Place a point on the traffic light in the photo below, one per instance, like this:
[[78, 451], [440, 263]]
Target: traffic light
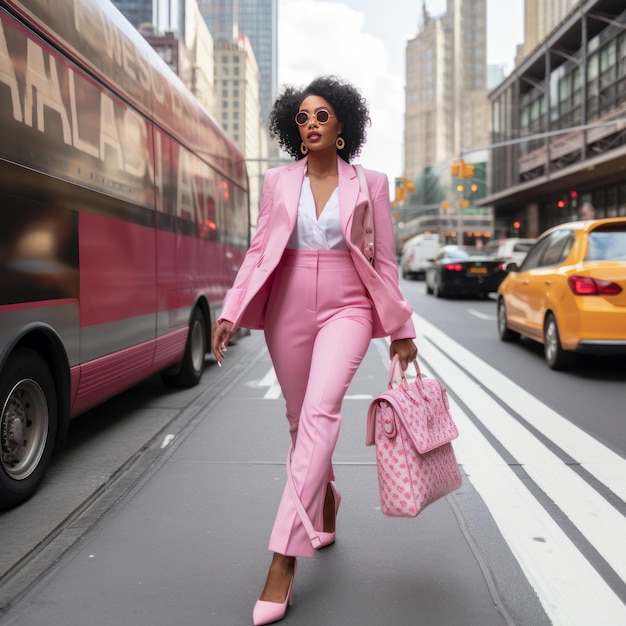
[[463, 203], [455, 168], [467, 170], [517, 224], [400, 190], [403, 187]]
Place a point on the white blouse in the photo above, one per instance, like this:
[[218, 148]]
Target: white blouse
[[311, 233]]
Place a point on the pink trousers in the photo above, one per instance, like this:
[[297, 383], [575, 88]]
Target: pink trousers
[[318, 326]]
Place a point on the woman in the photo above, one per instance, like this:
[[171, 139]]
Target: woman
[[307, 283]]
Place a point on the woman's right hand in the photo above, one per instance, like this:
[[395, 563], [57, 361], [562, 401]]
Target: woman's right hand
[[221, 337]]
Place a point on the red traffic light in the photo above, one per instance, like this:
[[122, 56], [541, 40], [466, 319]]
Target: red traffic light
[[516, 225], [574, 194], [560, 204]]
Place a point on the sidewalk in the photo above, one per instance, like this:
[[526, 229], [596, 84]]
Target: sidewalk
[[190, 546]]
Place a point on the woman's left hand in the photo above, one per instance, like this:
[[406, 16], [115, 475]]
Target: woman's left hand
[[405, 349]]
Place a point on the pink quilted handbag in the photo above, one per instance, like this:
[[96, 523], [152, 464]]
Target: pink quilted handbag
[[412, 428]]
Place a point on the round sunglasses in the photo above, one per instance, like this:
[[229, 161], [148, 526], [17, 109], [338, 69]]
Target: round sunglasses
[[321, 115]]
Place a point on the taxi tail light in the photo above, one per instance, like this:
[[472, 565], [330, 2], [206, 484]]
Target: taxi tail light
[[585, 286], [453, 267]]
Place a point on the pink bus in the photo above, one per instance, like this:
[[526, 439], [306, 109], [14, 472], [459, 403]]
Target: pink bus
[[124, 220]]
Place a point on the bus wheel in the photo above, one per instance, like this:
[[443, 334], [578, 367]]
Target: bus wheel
[[28, 425], [192, 365]]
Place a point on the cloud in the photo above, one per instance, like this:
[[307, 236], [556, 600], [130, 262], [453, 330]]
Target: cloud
[[317, 38]]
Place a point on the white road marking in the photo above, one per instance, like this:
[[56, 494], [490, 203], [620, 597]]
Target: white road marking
[[571, 590], [269, 380], [482, 316], [166, 441], [274, 392]]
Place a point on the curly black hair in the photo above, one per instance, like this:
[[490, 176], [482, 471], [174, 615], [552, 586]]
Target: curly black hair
[[349, 105]]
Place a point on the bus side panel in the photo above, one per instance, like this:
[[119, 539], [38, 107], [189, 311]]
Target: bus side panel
[[117, 272]]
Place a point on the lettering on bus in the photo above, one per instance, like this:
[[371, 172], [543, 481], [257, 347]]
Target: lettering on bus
[[59, 121]]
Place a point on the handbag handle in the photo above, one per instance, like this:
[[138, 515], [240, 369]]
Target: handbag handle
[[395, 367]]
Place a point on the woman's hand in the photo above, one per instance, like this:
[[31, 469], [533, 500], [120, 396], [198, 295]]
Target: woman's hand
[[405, 349], [221, 336]]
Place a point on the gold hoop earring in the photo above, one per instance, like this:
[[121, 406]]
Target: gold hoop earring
[[340, 143], [303, 148]]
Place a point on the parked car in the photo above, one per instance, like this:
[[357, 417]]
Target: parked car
[[416, 254], [513, 250], [570, 292], [463, 270]]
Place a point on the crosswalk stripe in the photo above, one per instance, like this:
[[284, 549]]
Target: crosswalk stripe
[[570, 588]]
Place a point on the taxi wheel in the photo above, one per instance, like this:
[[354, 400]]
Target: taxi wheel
[[505, 333], [556, 357]]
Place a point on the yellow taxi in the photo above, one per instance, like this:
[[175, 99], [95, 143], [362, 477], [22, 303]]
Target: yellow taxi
[[570, 292]]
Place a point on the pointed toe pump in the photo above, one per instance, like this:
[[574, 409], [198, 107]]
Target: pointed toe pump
[[328, 538], [270, 612]]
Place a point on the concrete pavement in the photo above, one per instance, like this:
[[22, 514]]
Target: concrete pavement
[[188, 546]]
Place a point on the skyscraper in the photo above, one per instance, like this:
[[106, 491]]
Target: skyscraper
[[258, 20], [447, 110], [137, 12]]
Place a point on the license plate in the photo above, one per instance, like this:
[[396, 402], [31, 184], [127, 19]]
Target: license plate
[[478, 270]]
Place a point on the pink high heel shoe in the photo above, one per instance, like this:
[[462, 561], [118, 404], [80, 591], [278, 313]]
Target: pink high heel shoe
[[326, 539], [269, 612]]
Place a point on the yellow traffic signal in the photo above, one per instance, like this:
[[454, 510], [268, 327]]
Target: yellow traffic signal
[[455, 168], [459, 188], [408, 185], [463, 203], [467, 170], [445, 204]]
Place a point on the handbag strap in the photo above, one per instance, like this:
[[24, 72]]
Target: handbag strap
[[368, 216], [306, 520], [394, 368]]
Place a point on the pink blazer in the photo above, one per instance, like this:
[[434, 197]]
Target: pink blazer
[[244, 304]]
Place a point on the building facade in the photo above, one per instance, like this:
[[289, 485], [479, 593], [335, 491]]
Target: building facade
[[541, 17], [176, 30], [446, 105], [560, 123], [258, 21], [237, 107], [137, 12]]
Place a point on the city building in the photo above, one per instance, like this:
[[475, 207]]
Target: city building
[[446, 105], [137, 12], [237, 107], [176, 30], [560, 123], [541, 17], [447, 119], [258, 21]]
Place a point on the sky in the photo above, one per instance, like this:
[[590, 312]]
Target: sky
[[364, 42]]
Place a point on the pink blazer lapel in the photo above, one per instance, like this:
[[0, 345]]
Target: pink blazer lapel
[[291, 182], [351, 204]]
